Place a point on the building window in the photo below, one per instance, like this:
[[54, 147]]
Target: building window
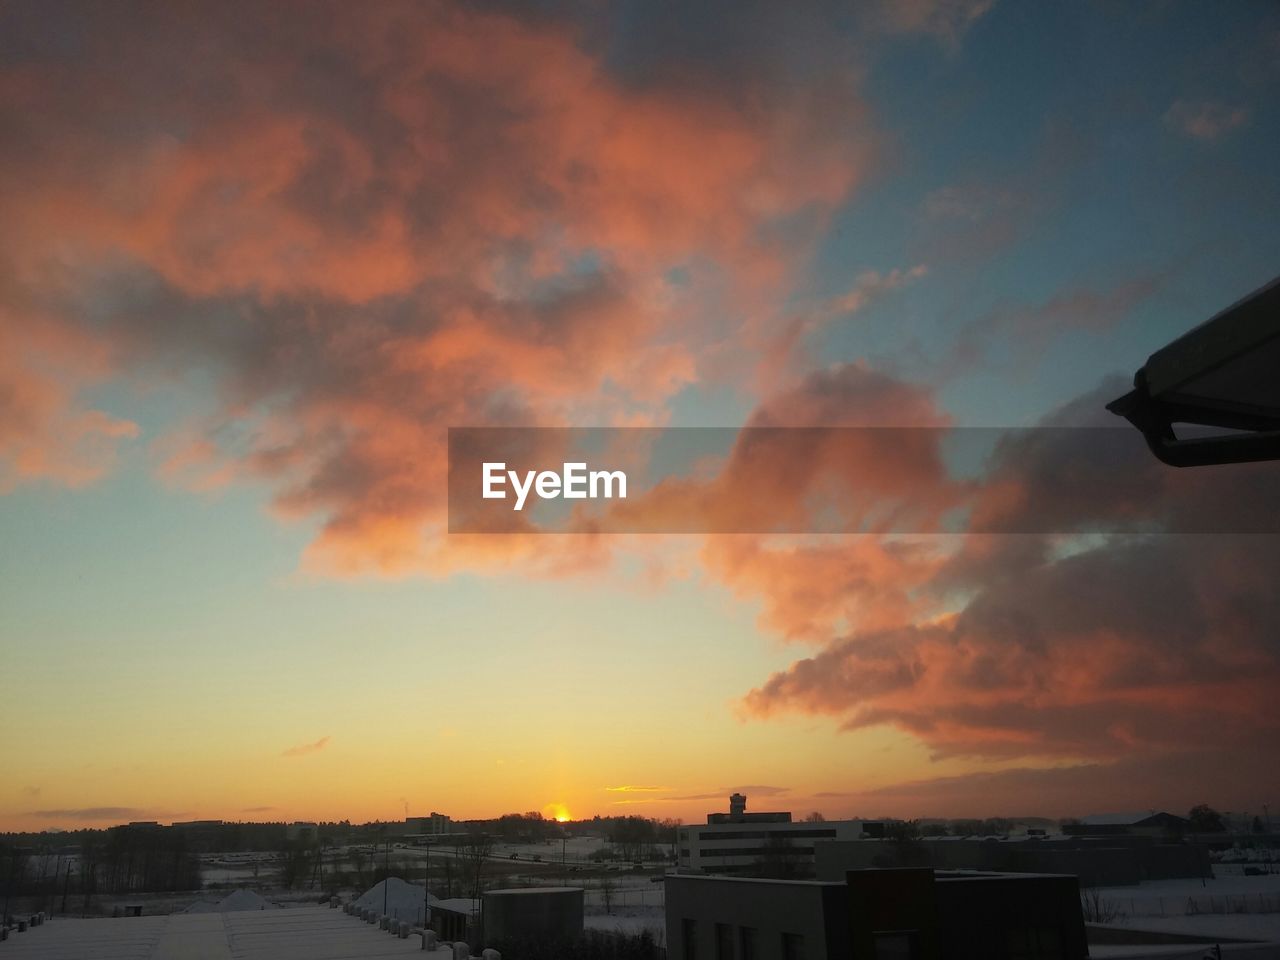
[[895, 944], [747, 943], [689, 938], [724, 941], [792, 946]]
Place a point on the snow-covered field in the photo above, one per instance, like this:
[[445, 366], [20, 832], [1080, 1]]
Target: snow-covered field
[[1234, 926], [1235, 894], [629, 922]]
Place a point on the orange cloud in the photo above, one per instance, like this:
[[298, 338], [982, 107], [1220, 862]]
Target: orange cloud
[[451, 216], [1042, 645], [45, 433], [303, 749]]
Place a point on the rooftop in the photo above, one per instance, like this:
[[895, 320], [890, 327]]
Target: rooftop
[[305, 932]]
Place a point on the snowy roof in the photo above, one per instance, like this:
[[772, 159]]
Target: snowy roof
[[302, 933], [401, 899], [235, 902], [457, 905]]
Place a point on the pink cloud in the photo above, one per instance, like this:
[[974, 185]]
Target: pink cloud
[[478, 229], [304, 749], [1205, 119]]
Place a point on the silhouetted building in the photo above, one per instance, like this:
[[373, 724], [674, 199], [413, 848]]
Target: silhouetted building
[[303, 831], [456, 918], [876, 915], [1151, 824], [437, 824], [551, 912], [1097, 861]]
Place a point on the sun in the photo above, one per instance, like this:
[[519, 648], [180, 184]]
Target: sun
[[558, 812]]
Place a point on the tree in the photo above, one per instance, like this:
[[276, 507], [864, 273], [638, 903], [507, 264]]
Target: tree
[[475, 850], [607, 887], [357, 858], [14, 864], [815, 817], [631, 835], [902, 830], [780, 861], [295, 862], [1204, 819]]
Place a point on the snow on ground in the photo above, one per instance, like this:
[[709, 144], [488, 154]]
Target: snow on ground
[[235, 902], [1239, 926], [629, 922], [1215, 895]]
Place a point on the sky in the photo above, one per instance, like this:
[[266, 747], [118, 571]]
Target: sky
[[255, 260]]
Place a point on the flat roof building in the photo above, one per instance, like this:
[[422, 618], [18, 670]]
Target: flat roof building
[[768, 844], [876, 915]]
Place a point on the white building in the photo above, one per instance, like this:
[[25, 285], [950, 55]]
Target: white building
[[765, 843]]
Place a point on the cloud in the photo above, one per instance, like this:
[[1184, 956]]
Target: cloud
[[1137, 782], [1019, 335], [303, 749], [948, 20], [98, 813], [628, 788], [45, 434], [751, 789], [263, 809], [1205, 119], [787, 350], [366, 227], [1052, 646]]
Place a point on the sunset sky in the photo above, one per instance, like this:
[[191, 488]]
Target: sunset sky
[[256, 259]]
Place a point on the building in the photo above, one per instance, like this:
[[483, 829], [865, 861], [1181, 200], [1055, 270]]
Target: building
[[876, 915], [200, 835], [302, 831], [518, 913], [1097, 861], [553, 913], [767, 843], [1150, 823], [456, 918], [435, 825]]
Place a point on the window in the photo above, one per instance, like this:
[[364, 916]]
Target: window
[[724, 941], [689, 938], [792, 946], [747, 943]]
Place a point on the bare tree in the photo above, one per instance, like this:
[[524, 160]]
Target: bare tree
[[1096, 909], [475, 849]]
